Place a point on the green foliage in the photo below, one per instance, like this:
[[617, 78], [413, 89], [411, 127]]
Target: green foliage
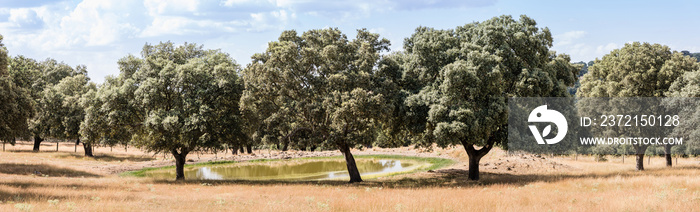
[[63, 102], [315, 89], [54, 109], [635, 70], [466, 74], [455, 83], [638, 70], [688, 85], [180, 99], [695, 55], [584, 69], [15, 102], [26, 73], [112, 117], [58, 114]]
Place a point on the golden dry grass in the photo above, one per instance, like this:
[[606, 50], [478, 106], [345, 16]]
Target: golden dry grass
[[580, 185]]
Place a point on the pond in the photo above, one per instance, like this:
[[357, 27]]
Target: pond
[[309, 169]]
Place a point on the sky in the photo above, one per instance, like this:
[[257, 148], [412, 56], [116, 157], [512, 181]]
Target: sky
[[98, 33]]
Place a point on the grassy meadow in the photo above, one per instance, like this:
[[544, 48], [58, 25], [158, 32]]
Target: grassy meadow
[[66, 181]]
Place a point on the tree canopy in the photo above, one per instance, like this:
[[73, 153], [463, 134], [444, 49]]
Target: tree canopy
[[15, 102], [636, 70], [462, 78], [317, 89], [112, 115], [180, 99], [687, 85], [48, 92]]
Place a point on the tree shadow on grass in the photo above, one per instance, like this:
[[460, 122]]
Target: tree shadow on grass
[[457, 178], [110, 158], [42, 170], [31, 151], [30, 196], [24, 196], [71, 186]]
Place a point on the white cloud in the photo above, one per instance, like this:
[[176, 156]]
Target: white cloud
[[98, 32], [568, 37], [234, 2], [574, 43], [269, 20], [163, 25], [570, 43], [89, 23], [607, 48], [97, 23], [88, 32], [25, 18], [158, 7], [422, 4]]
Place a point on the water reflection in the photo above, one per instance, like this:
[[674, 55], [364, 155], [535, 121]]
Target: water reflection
[[206, 173], [290, 170]]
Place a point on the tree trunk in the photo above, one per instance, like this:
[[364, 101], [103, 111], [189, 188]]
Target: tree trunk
[[234, 150], [249, 149], [285, 146], [669, 160], [639, 151], [56, 145], [475, 156], [474, 168], [75, 148], [37, 143], [350, 162], [242, 149], [180, 159], [88, 149]]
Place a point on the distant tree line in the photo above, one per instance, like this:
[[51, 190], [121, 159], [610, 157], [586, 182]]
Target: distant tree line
[[695, 55]]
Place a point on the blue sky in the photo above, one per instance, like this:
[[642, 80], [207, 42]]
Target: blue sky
[[98, 33]]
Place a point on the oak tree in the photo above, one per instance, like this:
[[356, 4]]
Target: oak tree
[[317, 89], [683, 94], [64, 111], [37, 78], [15, 103], [636, 70], [188, 99], [462, 78]]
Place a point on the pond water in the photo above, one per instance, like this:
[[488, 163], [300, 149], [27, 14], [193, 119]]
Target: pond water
[[291, 170]]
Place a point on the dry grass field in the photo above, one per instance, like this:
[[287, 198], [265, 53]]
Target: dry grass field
[[66, 181]]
